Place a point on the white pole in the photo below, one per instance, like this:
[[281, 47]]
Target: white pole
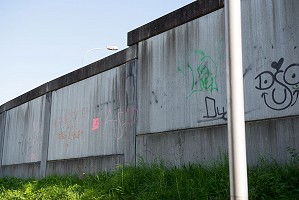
[[235, 101]]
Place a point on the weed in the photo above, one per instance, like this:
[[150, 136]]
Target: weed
[[267, 180]]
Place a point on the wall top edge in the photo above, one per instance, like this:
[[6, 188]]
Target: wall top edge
[[176, 18], [92, 69]]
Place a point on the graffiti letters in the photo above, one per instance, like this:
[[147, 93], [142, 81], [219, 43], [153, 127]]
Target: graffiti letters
[[213, 111], [70, 135], [281, 87], [121, 119], [203, 78]]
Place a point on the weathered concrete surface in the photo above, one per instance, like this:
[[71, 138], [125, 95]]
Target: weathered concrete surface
[[82, 166], [97, 67], [26, 170], [24, 133], [184, 146], [269, 138], [87, 117], [177, 72], [272, 138], [176, 18], [182, 76], [270, 58], [168, 102], [131, 116]]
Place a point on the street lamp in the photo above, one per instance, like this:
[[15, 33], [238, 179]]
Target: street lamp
[[110, 48], [235, 102]]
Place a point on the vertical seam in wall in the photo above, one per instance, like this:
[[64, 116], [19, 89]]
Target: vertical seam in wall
[[45, 142], [3, 122], [136, 105]]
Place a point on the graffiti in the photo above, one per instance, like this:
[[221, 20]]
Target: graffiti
[[95, 124], [213, 111], [66, 121], [121, 119], [203, 78], [281, 88], [68, 124], [70, 135], [111, 120]]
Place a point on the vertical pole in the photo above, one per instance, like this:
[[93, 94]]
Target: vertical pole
[[235, 101]]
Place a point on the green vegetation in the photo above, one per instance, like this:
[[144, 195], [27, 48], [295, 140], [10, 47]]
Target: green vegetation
[[267, 180]]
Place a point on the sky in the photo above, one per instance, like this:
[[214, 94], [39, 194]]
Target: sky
[[43, 40]]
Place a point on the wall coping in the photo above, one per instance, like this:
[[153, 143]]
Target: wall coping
[[176, 18], [80, 74]]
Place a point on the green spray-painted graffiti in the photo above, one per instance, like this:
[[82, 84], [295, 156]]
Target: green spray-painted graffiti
[[203, 78]]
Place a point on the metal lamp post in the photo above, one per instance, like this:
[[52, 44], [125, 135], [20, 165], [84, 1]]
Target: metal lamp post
[[110, 48], [235, 101]]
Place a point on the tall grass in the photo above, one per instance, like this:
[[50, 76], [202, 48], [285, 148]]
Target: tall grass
[[267, 180]]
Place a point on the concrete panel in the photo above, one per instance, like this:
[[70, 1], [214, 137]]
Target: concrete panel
[[88, 117], [270, 138], [24, 133], [82, 166], [182, 76], [183, 147], [28, 170], [270, 58]]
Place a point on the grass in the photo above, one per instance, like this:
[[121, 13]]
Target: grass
[[267, 180]]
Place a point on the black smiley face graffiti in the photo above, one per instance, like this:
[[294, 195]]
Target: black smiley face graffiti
[[291, 77], [282, 85], [291, 74], [266, 80]]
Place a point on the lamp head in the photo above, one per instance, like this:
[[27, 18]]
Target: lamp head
[[112, 48]]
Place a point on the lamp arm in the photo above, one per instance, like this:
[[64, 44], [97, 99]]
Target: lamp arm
[[89, 52]]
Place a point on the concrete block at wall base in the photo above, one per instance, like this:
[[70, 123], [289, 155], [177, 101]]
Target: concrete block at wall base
[[272, 139], [24, 170], [82, 166], [182, 147], [266, 138]]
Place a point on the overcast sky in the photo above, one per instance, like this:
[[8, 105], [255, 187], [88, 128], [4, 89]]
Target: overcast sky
[[42, 40]]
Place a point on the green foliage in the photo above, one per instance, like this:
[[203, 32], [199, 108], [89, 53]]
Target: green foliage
[[267, 180]]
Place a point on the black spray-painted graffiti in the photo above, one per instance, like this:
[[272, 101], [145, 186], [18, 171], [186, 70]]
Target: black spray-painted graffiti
[[205, 79], [213, 111], [281, 88]]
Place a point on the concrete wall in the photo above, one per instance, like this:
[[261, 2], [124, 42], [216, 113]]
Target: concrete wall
[[182, 75], [87, 117], [182, 86], [77, 128], [162, 98], [24, 133], [93, 119]]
